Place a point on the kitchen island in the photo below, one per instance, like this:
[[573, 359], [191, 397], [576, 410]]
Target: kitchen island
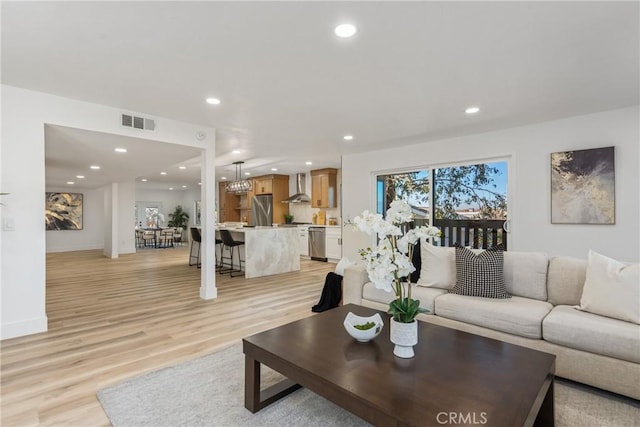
[[266, 250]]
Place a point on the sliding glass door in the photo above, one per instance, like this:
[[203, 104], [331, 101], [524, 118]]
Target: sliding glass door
[[467, 202]]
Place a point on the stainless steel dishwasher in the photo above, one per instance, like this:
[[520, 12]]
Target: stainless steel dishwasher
[[317, 242]]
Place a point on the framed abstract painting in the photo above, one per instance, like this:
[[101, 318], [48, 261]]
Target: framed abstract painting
[[63, 211], [583, 186]]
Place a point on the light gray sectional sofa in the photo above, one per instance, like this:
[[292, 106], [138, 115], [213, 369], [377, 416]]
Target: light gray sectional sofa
[[599, 351]]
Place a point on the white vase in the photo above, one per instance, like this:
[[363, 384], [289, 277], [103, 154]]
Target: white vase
[[404, 336]]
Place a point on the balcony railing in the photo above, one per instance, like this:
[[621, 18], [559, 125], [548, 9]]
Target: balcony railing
[[478, 234]]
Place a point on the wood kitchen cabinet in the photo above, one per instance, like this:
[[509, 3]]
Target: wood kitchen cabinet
[[263, 186], [228, 203], [323, 188]]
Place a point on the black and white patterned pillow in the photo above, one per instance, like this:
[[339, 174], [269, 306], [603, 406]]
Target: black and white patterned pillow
[[480, 275]]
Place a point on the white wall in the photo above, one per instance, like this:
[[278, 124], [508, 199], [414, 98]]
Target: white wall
[[91, 236], [24, 115], [169, 200], [189, 198], [529, 148]]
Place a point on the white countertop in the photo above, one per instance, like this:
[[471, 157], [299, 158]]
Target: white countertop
[[248, 228], [319, 225]]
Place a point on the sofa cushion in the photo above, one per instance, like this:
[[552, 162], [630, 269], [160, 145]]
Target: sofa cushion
[[525, 274], [438, 266], [425, 295], [480, 275], [517, 316], [565, 280], [611, 288], [569, 327]]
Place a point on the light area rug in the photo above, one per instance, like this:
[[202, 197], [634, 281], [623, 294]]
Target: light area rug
[[209, 391]]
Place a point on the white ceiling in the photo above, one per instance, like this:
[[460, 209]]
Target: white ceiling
[[290, 89], [70, 152]]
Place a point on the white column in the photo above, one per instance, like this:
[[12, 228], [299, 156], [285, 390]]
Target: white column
[[208, 288], [111, 221]]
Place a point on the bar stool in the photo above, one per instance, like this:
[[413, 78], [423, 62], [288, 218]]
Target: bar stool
[[230, 243], [218, 260], [196, 237]]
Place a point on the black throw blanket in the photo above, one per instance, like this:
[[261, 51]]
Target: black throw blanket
[[331, 293]]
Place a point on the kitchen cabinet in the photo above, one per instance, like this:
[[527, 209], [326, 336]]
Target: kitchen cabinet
[[263, 186], [245, 207], [228, 204], [333, 245], [323, 188]]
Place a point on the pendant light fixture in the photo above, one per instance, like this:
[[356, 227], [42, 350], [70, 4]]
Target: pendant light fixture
[[239, 185]]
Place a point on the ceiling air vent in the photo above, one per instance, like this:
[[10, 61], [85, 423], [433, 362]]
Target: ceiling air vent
[[136, 122]]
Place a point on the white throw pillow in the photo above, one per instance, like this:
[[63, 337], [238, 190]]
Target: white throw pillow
[[438, 269], [611, 288], [344, 263]]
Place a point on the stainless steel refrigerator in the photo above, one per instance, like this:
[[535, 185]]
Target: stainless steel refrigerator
[[262, 210]]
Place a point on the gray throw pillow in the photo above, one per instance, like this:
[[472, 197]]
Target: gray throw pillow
[[480, 275]]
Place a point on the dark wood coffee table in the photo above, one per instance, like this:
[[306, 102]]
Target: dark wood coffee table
[[456, 378]]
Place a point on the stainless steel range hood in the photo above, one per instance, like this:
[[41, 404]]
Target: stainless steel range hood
[[300, 196]]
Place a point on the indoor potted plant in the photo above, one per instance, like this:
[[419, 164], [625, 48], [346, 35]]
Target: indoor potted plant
[[288, 219], [179, 219], [389, 266]]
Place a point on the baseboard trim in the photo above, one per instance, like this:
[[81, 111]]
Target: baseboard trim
[[74, 249], [24, 327]]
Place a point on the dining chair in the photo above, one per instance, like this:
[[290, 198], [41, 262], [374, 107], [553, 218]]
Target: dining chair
[[177, 235], [149, 238], [166, 237], [139, 239]]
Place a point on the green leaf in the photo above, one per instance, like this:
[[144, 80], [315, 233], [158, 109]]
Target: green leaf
[[405, 310]]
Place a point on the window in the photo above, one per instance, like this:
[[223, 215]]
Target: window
[[468, 202]]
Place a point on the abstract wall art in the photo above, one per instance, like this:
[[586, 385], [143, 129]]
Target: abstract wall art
[[63, 211], [583, 186]]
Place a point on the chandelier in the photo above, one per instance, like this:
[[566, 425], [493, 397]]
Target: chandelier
[[239, 185]]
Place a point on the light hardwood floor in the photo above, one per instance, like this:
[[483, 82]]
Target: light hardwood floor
[[110, 320]]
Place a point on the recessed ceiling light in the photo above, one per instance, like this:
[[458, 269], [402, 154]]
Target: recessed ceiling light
[[213, 101], [348, 137], [70, 182], [199, 183], [120, 150], [170, 188], [144, 180], [184, 186], [274, 169], [80, 176], [247, 173], [308, 163], [236, 151], [182, 167], [472, 110], [163, 173], [345, 30], [94, 167], [223, 177]]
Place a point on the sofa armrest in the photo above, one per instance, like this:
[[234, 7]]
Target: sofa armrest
[[355, 276]]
